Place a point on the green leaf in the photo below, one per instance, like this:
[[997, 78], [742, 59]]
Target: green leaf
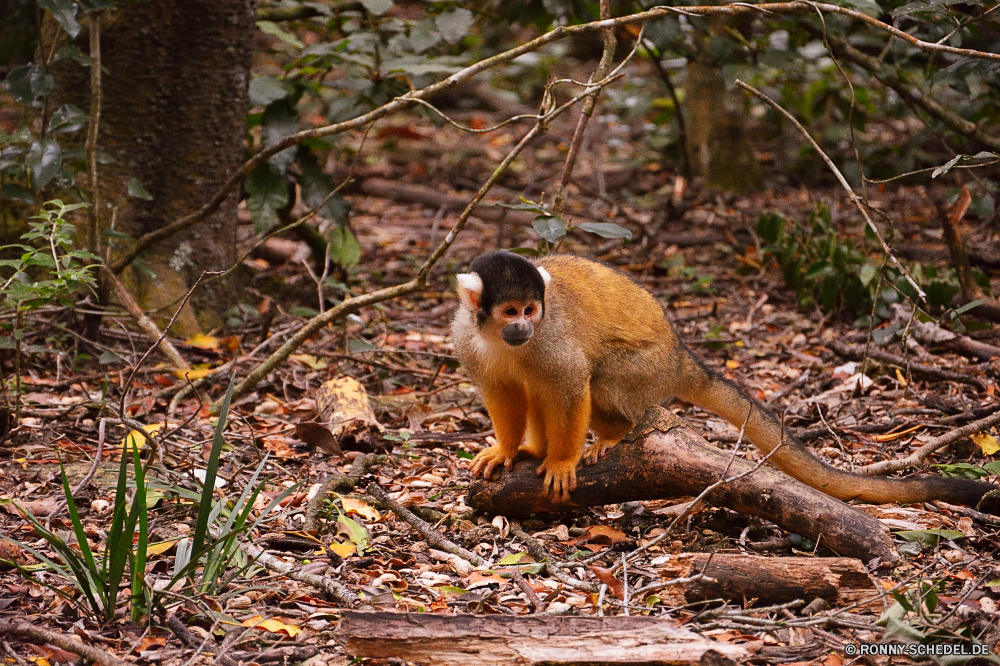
[[64, 12], [136, 189], [268, 194], [29, 83], [377, 7], [68, 118], [549, 227], [606, 230], [454, 24], [929, 537], [273, 29], [771, 227], [423, 35], [44, 160], [344, 247], [211, 470], [355, 531], [267, 89]]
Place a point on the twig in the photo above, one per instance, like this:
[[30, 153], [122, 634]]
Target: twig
[[432, 536], [188, 637], [918, 456], [537, 604], [554, 568], [93, 225], [603, 67], [39, 635], [158, 337]]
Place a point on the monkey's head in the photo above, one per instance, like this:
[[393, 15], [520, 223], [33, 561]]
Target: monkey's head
[[506, 292]]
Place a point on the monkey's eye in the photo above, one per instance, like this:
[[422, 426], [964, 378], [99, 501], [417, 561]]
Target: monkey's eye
[[528, 310], [510, 312]]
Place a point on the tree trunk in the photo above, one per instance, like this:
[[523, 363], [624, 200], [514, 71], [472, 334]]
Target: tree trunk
[[715, 118], [173, 119]]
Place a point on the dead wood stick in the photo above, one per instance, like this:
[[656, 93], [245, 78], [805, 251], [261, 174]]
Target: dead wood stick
[[409, 193], [668, 459], [186, 636], [337, 591], [857, 353], [918, 456], [433, 537], [98, 656], [769, 580], [503, 640], [960, 260], [144, 322]]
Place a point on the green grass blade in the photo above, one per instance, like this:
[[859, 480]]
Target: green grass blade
[[211, 471]]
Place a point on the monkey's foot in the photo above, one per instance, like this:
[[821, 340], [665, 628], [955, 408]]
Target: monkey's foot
[[484, 463], [560, 478], [596, 451]]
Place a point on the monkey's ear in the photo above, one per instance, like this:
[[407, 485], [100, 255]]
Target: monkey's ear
[[470, 290], [546, 278]]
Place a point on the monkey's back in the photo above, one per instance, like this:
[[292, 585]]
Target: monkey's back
[[603, 305]]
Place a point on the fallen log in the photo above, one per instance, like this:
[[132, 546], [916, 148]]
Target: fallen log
[[535, 639], [738, 578], [662, 458]]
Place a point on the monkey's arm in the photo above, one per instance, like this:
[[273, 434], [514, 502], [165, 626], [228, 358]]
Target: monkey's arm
[[566, 421], [507, 407]]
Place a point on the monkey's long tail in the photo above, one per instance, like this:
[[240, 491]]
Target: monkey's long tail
[[763, 428]]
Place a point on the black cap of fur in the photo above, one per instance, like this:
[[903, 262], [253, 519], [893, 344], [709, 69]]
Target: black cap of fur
[[507, 277]]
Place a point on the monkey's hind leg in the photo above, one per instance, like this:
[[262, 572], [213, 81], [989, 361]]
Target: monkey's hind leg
[[507, 407], [609, 428]]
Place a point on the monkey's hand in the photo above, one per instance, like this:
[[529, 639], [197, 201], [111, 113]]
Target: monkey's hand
[[487, 460], [560, 478], [596, 451]]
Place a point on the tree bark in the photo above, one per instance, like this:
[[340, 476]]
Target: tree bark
[[173, 119], [768, 580], [662, 457]]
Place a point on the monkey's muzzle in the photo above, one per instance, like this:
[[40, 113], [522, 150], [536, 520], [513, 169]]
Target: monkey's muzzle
[[517, 333]]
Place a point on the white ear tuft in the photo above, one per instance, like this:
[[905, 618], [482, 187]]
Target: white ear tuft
[[470, 290], [546, 278]]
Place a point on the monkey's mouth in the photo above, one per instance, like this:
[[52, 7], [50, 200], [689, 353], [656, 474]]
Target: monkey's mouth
[[516, 341]]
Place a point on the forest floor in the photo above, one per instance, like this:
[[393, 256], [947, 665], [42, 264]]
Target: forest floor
[[695, 249]]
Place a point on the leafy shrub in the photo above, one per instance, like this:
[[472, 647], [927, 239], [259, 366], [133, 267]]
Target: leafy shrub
[[830, 271]]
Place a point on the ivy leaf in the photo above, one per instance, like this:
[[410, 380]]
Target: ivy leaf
[[43, 160], [606, 230], [549, 227], [64, 12], [377, 7], [454, 24]]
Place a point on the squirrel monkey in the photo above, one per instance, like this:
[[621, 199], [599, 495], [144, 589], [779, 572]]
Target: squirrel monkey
[[567, 345]]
